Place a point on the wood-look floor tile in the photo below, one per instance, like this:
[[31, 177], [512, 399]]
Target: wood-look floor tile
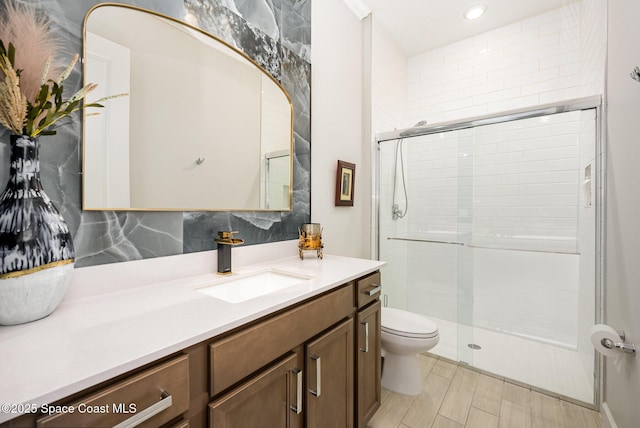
[[514, 415], [424, 408], [453, 391], [385, 394], [545, 411], [575, 416], [481, 419], [457, 401], [444, 369], [426, 364], [516, 394], [442, 422], [488, 394], [391, 411]]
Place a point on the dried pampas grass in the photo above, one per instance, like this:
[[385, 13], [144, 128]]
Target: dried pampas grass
[[35, 46], [31, 100]]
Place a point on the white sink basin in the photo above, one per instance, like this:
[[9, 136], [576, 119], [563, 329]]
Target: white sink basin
[[237, 289]]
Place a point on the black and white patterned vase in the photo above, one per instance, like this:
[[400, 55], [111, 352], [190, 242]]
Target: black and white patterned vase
[[36, 251]]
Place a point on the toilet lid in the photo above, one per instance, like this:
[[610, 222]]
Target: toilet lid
[[407, 324]]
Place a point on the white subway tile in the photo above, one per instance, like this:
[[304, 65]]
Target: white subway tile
[[515, 103], [516, 70], [543, 41], [520, 37], [560, 95], [550, 189], [497, 64], [501, 95], [528, 79], [464, 55], [461, 103], [573, 69]]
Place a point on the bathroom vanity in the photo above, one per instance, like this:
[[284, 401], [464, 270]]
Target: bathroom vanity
[[173, 355]]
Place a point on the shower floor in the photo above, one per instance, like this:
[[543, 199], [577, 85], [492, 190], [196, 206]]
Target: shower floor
[[551, 368]]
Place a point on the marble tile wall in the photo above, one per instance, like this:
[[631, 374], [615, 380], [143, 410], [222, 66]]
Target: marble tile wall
[[277, 35]]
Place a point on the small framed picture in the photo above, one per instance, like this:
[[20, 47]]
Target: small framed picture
[[344, 184]]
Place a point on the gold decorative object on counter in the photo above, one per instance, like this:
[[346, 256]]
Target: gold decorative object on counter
[[310, 239]]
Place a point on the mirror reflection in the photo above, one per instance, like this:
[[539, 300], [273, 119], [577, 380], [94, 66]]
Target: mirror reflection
[[204, 127]]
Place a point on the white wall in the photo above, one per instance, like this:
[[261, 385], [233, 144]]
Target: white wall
[[622, 270], [389, 82], [543, 59], [338, 113]]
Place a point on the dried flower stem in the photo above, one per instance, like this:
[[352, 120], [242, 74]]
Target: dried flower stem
[[68, 70], [45, 72], [13, 104]]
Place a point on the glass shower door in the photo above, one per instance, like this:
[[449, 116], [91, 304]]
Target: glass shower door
[[533, 244], [491, 232], [424, 199]]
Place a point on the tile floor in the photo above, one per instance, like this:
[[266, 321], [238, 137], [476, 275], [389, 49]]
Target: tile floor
[[457, 397], [545, 366]]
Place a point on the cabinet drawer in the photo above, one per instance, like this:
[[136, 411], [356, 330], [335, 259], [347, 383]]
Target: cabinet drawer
[[235, 357], [368, 289], [159, 393]]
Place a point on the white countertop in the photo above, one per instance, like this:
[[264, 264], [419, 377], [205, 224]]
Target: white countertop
[[90, 339]]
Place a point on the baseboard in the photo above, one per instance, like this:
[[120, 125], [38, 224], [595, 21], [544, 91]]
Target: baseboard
[[607, 417]]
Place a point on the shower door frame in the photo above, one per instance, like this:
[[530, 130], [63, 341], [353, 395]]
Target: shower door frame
[[586, 103]]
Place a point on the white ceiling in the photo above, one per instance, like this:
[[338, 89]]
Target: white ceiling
[[421, 25]]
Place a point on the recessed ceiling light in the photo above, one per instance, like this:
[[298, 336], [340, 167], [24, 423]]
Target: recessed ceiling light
[[474, 12]]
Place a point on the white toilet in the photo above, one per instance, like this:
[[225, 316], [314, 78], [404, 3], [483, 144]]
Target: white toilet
[[404, 335]]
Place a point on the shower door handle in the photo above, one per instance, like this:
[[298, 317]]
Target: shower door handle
[[375, 290]]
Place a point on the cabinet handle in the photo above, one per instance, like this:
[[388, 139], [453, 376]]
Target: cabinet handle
[[375, 290], [165, 402], [366, 336], [298, 407], [318, 389]]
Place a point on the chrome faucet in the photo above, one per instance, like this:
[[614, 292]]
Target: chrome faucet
[[225, 241]]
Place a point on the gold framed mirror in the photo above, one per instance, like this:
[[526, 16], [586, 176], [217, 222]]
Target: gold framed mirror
[[204, 127]]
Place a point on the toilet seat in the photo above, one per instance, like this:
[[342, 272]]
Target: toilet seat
[[407, 324]]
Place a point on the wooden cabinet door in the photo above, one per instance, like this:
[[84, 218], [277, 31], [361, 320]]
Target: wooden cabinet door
[[368, 363], [329, 368], [269, 400]]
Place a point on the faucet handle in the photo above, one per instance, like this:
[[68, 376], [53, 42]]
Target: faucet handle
[[224, 237], [226, 234]]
